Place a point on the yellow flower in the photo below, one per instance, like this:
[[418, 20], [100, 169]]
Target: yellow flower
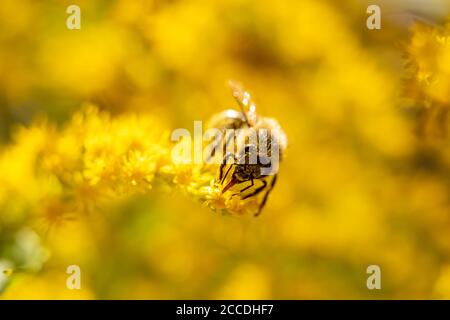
[[428, 85]]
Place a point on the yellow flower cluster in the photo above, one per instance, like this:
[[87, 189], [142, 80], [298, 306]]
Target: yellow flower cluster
[[428, 61], [94, 158]]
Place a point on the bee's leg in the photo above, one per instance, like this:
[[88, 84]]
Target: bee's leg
[[257, 190], [263, 203], [226, 174], [248, 148], [248, 186], [224, 162]]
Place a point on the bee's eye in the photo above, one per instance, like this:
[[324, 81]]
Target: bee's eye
[[241, 173]]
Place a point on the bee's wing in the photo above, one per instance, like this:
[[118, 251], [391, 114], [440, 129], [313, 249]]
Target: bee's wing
[[244, 100], [237, 90]]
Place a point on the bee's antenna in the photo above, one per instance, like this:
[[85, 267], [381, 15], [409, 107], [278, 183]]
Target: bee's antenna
[[242, 97]]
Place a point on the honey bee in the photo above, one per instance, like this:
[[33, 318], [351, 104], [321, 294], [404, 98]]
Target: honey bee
[[253, 169]]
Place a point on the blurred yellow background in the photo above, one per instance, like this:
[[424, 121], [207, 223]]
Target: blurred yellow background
[[360, 183]]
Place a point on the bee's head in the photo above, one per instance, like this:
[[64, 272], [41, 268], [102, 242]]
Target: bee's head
[[244, 172], [247, 167]]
